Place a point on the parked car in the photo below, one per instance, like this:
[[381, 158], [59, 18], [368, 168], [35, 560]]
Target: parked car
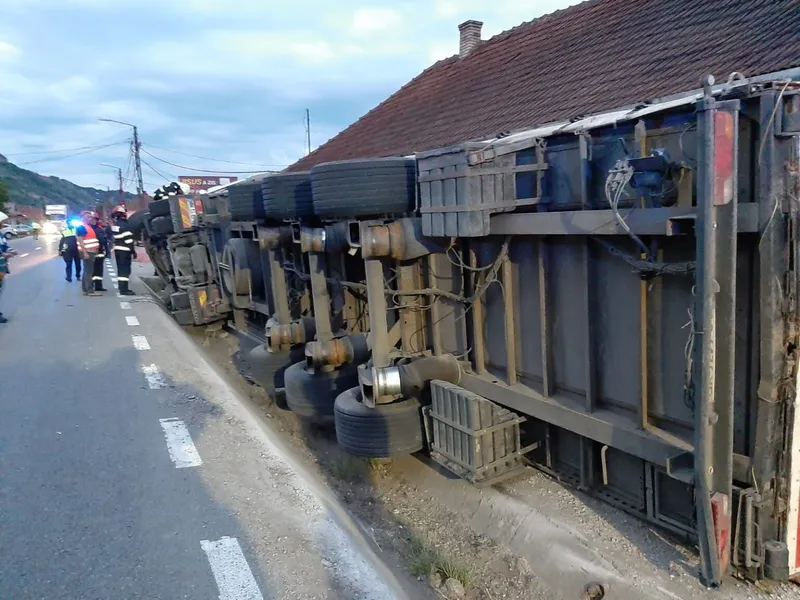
[[9, 231]]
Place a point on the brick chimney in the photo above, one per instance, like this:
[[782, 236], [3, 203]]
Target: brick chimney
[[470, 37]]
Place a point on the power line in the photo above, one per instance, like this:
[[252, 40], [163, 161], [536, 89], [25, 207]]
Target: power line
[[200, 170], [88, 150], [219, 160], [67, 149], [157, 172]]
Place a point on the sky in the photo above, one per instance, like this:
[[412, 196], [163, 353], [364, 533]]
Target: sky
[[207, 81]]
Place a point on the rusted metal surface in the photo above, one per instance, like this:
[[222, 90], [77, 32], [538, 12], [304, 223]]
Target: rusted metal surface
[[338, 351]]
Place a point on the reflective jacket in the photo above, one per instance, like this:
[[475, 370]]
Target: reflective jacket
[[90, 241], [68, 242], [123, 238]]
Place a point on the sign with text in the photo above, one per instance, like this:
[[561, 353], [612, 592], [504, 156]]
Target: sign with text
[[203, 183]]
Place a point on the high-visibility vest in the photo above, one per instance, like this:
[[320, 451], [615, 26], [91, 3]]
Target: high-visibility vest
[[68, 232], [90, 241]]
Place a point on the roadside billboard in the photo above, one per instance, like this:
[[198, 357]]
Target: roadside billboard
[[203, 183]]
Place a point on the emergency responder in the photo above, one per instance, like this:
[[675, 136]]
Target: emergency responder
[[99, 260], [35, 227], [124, 249], [89, 248], [68, 249]]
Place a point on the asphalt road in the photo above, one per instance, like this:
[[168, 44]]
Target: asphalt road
[[130, 469]]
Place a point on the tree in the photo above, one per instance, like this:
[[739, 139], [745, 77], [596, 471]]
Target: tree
[[3, 196]]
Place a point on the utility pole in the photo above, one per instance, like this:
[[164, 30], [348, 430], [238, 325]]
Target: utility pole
[[121, 188], [137, 160], [308, 129]]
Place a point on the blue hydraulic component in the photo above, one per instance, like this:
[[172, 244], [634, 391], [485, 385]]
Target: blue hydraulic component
[[651, 174]]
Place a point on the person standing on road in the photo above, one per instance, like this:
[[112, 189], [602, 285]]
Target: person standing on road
[[5, 254], [124, 249], [68, 249], [35, 227], [99, 260], [89, 248]]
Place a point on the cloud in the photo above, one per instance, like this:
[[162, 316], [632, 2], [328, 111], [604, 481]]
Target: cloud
[[7, 51], [375, 20], [223, 79]]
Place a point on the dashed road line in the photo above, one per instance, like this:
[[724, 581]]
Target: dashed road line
[[154, 378], [125, 305], [24, 255], [132, 321], [231, 572], [181, 449], [38, 248], [140, 342]]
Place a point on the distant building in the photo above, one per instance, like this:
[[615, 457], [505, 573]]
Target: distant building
[[19, 214]]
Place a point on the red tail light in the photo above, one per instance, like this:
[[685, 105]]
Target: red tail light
[[724, 157]]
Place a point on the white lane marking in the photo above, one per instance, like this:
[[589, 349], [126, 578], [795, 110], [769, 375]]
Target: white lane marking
[[115, 286], [114, 279], [140, 342], [154, 378], [24, 255], [232, 573], [125, 305], [132, 321], [38, 248], [179, 444]]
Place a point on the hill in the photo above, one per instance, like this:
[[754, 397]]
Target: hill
[[31, 189]]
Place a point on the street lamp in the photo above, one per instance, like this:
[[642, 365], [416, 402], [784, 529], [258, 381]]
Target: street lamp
[[137, 160]]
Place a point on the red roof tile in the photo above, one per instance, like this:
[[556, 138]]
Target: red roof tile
[[598, 55]]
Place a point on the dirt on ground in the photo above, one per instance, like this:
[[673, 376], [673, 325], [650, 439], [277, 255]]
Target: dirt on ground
[[422, 521], [420, 536]]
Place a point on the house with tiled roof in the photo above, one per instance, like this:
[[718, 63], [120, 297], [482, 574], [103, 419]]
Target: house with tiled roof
[[592, 57]]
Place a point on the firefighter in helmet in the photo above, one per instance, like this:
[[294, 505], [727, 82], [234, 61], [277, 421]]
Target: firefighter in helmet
[[124, 248]]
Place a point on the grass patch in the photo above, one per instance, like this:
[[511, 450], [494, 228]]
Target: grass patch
[[348, 468], [427, 560], [380, 466]]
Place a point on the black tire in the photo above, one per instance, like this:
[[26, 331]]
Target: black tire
[[311, 395], [287, 196], [161, 226], [268, 370], [244, 273], [361, 188], [159, 208], [245, 201], [382, 432], [136, 223]]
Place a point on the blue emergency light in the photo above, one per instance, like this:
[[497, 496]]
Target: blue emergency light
[[75, 223]]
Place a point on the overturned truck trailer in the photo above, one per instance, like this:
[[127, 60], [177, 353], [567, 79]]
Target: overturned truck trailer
[[611, 299]]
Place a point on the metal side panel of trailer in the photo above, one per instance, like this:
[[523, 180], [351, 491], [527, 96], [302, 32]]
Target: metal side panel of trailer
[[668, 391]]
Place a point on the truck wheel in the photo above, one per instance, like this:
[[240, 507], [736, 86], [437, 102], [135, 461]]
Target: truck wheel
[[268, 370], [356, 188], [161, 226], [244, 200], [137, 223], [382, 432], [287, 196], [311, 395], [159, 208]]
